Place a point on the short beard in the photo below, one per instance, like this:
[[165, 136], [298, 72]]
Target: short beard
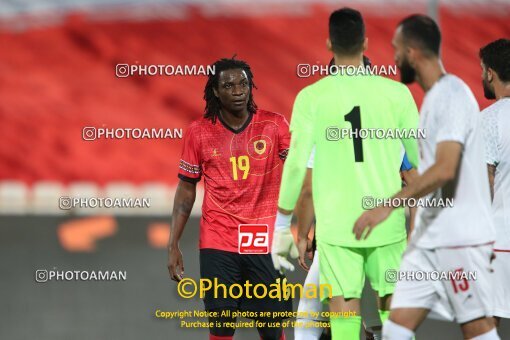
[[487, 91], [407, 73]]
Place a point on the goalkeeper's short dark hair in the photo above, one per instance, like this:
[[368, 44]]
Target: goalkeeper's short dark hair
[[346, 31]]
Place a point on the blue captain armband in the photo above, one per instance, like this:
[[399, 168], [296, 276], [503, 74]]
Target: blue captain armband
[[406, 165]]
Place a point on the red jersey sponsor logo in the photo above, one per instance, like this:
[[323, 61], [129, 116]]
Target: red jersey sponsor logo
[[253, 239]]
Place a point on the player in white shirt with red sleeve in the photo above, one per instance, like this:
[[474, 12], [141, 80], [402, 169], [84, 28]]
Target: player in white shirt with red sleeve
[[495, 60], [453, 241]]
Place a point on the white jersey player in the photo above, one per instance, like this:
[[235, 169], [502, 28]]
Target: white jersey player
[[446, 269], [496, 122]]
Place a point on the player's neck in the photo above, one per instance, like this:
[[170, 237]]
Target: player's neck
[[234, 120], [502, 90], [349, 60], [429, 72]]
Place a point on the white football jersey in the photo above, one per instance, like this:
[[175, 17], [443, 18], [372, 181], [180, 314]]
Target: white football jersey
[[496, 123], [450, 113]]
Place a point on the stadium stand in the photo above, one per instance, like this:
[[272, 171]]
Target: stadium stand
[[57, 76]]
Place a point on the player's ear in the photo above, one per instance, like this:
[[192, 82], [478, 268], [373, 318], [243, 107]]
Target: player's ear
[[411, 54], [328, 45], [215, 92], [365, 44], [491, 74]]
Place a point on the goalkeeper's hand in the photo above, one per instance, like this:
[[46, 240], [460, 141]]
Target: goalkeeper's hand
[[283, 246]]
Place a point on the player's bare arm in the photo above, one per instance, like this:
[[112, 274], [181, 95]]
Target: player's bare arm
[[305, 214], [445, 168], [183, 203], [492, 174], [408, 177]]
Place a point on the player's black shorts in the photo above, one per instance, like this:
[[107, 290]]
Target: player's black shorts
[[230, 268]]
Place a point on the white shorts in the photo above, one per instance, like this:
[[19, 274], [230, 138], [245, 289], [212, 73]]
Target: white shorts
[[307, 305], [369, 311], [501, 265], [464, 297]]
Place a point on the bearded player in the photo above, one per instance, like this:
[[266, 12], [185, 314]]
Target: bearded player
[[239, 150], [449, 240], [495, 60]]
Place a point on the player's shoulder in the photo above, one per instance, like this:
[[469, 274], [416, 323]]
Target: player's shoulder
[[307, 91], [199, 124], [453, 87], [312, 91], [387, 85], [373, 81], [388, 92], [452, 93], [453, 83], [496, 107], [387, 82], [268, 114]]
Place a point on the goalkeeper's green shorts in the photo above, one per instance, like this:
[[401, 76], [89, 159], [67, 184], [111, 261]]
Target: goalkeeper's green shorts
[[344, 268]]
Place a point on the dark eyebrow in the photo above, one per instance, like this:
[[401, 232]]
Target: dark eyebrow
[[242, 80]]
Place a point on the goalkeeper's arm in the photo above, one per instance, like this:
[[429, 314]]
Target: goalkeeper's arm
[[294, 170], [305, 216]]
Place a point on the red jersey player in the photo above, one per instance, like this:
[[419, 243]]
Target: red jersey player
[[239, 151]]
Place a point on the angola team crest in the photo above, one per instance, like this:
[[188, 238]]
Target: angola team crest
[[260, 147]]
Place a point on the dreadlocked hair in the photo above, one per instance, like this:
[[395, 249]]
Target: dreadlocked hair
[[212, 103]]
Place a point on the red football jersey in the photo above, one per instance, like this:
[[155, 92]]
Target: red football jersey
[[242, 172]]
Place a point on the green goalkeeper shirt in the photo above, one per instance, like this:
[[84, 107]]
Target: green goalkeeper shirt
[[350, 168]]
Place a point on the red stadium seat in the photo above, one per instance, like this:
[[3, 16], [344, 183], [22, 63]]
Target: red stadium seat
[[55, 81]]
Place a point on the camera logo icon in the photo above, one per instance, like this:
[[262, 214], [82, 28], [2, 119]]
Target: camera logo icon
[[122, 70], [89, 133], [65, 203], [304, 70], [368, 203], [391, 276], [333, 133], [41, 275]]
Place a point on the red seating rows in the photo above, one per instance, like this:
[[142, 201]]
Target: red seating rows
[[55, 81]]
